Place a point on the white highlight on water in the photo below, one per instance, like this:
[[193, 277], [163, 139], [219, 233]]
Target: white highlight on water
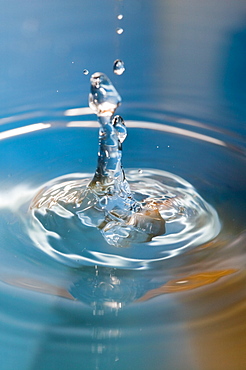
[[23, 130]]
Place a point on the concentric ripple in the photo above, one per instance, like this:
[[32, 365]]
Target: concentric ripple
[[55, 224]]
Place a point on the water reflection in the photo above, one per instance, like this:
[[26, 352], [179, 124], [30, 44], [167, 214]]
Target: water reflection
[[108, 289], [104, 317], [189, 282]]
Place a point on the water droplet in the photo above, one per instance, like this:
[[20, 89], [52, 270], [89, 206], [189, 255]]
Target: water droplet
[[104, 98], [119, 30], [140, 171], [86, 72], [157, 146], [57, 90], [119, 67], [120, 16], [72, 62]]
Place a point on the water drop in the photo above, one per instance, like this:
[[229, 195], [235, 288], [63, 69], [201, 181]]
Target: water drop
[[119, 67], [104, 98], [119, 30], [86, 72], [140, 171], [120, 16]]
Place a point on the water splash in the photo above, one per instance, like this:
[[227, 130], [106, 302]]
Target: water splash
[[155, 208], [125, 218], [107, 202]]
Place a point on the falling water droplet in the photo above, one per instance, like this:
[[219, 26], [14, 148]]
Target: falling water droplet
[[86, 72], [120, 16], [119, 67], [119, 30]]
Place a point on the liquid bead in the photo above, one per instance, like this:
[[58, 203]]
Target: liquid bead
[[119, 67], [119, 30], [103, 98]]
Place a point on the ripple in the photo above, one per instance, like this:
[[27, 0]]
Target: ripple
[[189, 226], [56, 228]]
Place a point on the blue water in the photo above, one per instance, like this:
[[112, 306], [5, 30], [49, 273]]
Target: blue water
[[184, 101]]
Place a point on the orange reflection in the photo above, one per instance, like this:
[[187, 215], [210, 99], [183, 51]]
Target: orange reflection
[[187, 283], [215, 243], [38, 286]]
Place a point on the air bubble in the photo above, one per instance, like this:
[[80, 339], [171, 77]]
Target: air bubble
[[86, 72], [119, 67], [120, 16]]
